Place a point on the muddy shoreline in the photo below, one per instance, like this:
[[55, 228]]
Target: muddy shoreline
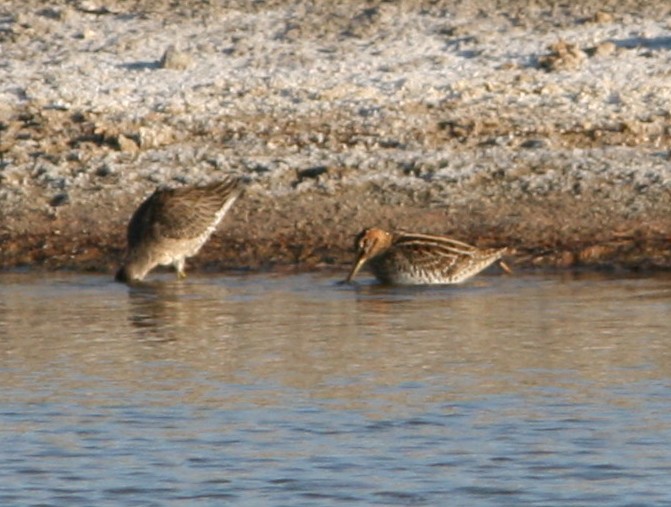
[[540, 128], [303, 234]]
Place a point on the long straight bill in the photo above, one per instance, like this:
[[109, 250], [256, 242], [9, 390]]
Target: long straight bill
[[361, 259]]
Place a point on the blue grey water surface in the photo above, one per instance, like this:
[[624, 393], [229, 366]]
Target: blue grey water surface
[[292, 390]]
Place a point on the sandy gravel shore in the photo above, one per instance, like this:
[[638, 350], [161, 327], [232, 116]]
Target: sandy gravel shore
[[545, 126]]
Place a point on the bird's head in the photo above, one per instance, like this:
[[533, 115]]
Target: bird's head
[[368, 244]]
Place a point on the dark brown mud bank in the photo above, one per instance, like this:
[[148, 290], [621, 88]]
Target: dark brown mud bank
[[310, 232]]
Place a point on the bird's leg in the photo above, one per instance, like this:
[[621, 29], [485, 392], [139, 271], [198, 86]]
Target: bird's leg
[[505, 267], [179, 266]]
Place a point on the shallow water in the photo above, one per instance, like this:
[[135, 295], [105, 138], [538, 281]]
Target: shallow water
[[292, 390]]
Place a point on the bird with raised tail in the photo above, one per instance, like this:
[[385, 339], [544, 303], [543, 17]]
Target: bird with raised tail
[[173, 224], [405, 258]]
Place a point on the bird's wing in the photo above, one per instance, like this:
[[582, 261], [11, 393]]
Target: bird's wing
[[187, 213], [433, 253], [181, 213], [141, 223]]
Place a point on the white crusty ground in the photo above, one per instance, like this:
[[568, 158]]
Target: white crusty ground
[[388, 70]]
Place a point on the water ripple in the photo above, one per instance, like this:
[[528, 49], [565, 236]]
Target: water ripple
[[284, 391]]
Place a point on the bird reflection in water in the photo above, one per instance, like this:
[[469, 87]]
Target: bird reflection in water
[[164, 310], [156, 309]]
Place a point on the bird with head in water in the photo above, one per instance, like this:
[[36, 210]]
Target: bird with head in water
[[173, 224], [405, 258]]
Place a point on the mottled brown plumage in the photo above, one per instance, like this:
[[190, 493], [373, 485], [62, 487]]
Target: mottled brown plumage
[[405, 258], [173, 224]]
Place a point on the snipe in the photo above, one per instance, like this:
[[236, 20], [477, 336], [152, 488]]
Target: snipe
[[173, 224], [405, 258]]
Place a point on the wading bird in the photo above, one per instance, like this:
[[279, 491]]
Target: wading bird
[[405, 258], [173, 224]]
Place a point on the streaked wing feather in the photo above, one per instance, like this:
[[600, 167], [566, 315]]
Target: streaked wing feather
[[460, 246], [186, 213], [439, 254], [429, 256]]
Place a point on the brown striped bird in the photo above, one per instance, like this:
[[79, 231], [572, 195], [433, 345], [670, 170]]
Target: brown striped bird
[[173, 224], [405, 258]]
